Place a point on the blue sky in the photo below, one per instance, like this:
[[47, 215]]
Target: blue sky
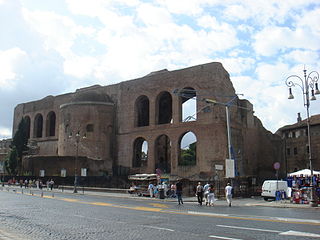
[[53, 47]]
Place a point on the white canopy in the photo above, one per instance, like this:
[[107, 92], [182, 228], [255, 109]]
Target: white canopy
[[304, 172]]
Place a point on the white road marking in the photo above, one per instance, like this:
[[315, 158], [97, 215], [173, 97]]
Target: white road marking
[[300, 234], [296, 220], [208, 214], [253, 229], [226, 238], [159, 228]]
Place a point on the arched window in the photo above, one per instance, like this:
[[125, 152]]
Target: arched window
[[164, 108], [38, 126], [188, 149], [51, 124], [163, 154], [188, 106], [27, 122], [140, 153], [142, 111], [89, 128]]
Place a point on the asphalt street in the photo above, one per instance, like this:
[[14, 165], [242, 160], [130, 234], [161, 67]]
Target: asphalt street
[[54, 215]]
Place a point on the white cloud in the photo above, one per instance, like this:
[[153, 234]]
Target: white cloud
[[237, 65], [190, 7], [5, 132], [151, 15], [309, 58], [58, 32], [8, 63], [273, 39], [80, 67]]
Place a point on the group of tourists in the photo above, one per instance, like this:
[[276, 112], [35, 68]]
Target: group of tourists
[[203, 193], [32, 183], [206, 192]]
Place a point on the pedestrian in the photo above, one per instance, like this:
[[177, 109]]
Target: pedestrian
[[199, 193], [206, 192], [51, 183], [228, 191], [211, 198], [151, 189], [173, 190], [179, 192]]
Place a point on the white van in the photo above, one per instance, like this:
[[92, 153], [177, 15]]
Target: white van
[[270, 187]]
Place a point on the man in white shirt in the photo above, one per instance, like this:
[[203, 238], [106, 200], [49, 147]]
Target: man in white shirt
[[228, 191], [150, 188], [206, 192]]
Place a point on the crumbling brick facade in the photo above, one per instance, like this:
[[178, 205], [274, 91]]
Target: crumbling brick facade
[[139, 126]]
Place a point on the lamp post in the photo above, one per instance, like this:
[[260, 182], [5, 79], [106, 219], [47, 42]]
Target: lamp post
[[76, 162], [227, 106], [306, 83]]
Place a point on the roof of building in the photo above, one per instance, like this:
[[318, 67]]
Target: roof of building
[[314, 120], [90, 96]]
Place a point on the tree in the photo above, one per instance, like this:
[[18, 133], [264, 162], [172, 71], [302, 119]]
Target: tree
[[188, 156], [11, 162], [20, 141]]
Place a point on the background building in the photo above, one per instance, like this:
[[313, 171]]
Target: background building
[[145, 125], [296, 148]]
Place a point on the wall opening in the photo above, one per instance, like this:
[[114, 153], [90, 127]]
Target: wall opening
[[164, 108], [38, 126], [142, 111], [140, 153], [188, 105], [51, 124], [27, 121], [163, 154], [188, 150]]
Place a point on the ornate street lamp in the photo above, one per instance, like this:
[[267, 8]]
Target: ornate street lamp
[[306, 83]]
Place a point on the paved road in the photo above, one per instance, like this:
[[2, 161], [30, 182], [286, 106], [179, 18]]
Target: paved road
[[110, 216]]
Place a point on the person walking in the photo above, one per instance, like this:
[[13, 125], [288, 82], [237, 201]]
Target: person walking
[[211, 196], [206, 192], [228, 191], [151, 189], [179, 192], [199, 193]]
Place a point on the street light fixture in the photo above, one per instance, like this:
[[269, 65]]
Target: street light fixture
[[306, 83]]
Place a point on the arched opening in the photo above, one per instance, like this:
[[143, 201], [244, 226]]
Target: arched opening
[[140, 153], [163, 154], [188, 150], [188, 104], [27, 122], [164, 108], [142, 111], [51, 124], [38, 126]]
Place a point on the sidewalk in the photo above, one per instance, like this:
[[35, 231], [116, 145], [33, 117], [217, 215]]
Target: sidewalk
[[121, 193]]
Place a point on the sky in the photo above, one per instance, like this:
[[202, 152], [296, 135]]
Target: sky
[[53, 47]]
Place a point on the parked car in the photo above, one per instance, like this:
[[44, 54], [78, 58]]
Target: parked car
[[269, 188]]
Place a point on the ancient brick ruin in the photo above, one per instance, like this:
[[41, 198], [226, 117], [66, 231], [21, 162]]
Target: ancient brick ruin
[[138, 126]]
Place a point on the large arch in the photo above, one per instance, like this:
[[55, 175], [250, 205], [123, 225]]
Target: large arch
[[188, 149], [51, 124], [188, 104], [164, 108], [140, 153], [28, 124], [163, 154], [142, 111], [38, 126]]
